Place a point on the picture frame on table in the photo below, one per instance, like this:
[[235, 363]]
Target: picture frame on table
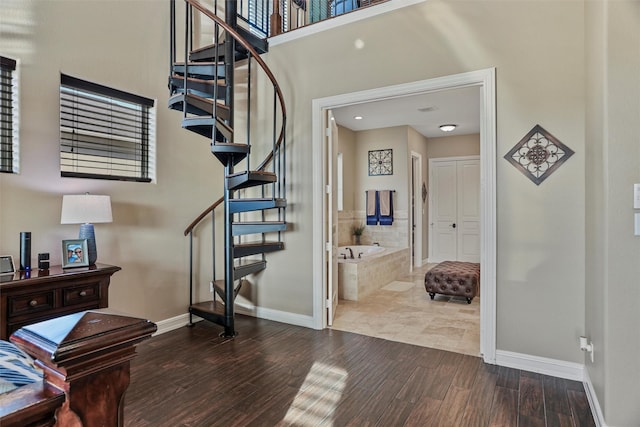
[[74, 253], [6, 265]]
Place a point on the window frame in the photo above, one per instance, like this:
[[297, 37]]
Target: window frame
[[9, 113], [99, 145]]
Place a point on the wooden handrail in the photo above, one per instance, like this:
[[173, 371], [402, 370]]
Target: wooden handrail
[[276, 87], [200, 217]]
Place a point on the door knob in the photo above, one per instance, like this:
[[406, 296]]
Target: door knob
[[454, 225]]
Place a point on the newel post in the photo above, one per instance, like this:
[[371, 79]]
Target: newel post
[[87, 355], [276, 19]]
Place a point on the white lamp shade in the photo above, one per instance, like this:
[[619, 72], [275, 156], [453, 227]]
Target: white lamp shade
[[85, 208]]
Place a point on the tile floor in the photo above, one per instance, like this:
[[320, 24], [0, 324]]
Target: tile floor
[[403, 311]]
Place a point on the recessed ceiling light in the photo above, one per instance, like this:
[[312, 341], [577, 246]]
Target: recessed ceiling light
[[447, 128], [357, 117]]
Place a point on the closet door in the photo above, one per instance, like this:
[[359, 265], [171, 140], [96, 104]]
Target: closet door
[[442, 235], [468, 210], [454, 210]]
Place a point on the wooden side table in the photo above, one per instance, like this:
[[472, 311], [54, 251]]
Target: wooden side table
[[38, 295]]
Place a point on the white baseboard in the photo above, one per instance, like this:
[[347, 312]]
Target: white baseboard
[[277, 316], [181, 320], [541, 365], [173, 323], [596, 410]]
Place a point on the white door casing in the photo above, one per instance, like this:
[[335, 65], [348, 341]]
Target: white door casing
[[485, 80], [332, 217], [417, 208]]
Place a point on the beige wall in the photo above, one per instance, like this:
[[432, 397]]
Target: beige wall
[[104, 42], [540, 274], [356, 146], [418, 144], [347, 146], [454, 146], [541, 229], [613, 166]]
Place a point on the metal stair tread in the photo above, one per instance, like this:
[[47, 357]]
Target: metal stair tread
[[206, 70], [255, 248], [256, 204], [246, 179], [199, 105], [257, 227], [204, 126], [245, 267], [212, 311], [209, 82], [207, 53]]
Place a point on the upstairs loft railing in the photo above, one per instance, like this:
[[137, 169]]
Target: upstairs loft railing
[[268, 18]]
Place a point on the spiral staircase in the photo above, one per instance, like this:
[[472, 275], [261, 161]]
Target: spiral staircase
[[204, 88]]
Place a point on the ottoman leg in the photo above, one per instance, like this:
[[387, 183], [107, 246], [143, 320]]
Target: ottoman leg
[[432, 294]]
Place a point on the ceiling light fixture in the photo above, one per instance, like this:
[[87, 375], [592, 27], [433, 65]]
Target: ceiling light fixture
[[447, 128], [357, 117]]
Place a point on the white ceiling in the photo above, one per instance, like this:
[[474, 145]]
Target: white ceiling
[[456, 106]]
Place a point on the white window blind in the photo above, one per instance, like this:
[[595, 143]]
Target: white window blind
[[9, 128], [105, 133]]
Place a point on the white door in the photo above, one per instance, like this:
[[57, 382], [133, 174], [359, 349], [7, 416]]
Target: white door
[[442, 203], [468, 225], [416, 209], [331, 203], [454, 210]]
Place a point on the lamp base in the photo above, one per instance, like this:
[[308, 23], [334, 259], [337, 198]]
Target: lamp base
[[87, 232]]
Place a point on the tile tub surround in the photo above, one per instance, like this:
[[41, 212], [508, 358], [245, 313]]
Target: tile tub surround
[[389, 236], [359, 278]]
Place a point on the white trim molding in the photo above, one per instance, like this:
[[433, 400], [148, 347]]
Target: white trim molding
[[177, 322], [173, 323], [340, 20], [542, 365], [596, 410], [277, 316]]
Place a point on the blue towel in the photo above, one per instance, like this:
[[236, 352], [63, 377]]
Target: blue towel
[[372, 207], [385, 199]]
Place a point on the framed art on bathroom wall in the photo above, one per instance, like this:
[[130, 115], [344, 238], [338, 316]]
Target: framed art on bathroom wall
[[381, 162]]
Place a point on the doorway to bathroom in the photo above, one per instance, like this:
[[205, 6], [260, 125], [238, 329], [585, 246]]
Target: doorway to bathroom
[[483, 82]]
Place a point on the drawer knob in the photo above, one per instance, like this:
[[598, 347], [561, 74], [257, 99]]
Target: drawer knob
[[83, 293], [33, 303]]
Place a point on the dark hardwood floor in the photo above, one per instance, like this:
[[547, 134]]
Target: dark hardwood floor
[[274, 374]]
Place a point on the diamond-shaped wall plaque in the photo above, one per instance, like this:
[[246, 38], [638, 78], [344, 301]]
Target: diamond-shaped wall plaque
[[538, 154]]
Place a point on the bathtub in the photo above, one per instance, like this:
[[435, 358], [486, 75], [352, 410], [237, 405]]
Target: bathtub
[[359, 252], [371, 268]]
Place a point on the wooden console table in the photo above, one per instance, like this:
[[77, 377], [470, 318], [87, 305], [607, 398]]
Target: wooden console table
[[38, 295]]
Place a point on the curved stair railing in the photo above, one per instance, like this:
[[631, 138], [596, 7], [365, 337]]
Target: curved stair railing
[[203, 87]]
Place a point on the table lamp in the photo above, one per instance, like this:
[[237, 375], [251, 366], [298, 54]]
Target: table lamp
[[86, 209]]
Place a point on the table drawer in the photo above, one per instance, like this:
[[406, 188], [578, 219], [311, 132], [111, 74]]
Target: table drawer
[[31, 303], [81, 294]]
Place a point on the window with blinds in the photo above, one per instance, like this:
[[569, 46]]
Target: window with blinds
[[8, 116], [105, 133]]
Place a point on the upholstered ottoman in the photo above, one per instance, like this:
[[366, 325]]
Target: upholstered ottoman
[[454, 278]]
